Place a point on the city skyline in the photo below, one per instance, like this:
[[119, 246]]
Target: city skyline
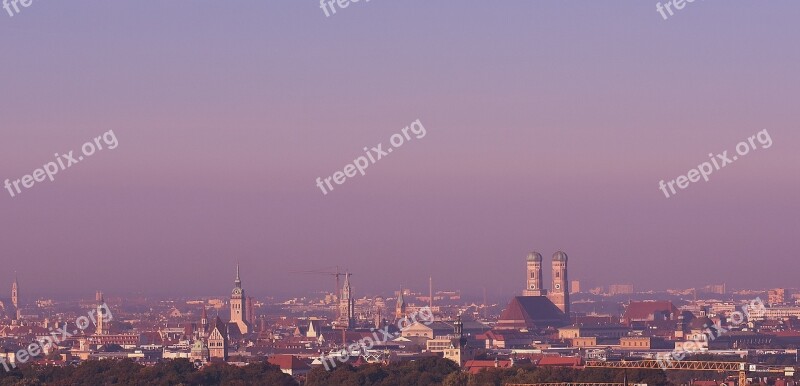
[[398, 193], [524, 283]]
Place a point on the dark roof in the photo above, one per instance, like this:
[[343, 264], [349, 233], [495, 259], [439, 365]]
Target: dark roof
[[701, 323], [286, 362], [219, 325], [531, 312]]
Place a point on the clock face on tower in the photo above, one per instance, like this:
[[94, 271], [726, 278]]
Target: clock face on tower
[[237, 291], [558, 286]]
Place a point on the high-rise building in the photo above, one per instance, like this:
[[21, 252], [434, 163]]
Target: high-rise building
[[715, 288], [430, 293], [533, 286], [620, 289], [347, 304], [776, 296], [239, 305], [574, 287], [559, 293], [377, 318]]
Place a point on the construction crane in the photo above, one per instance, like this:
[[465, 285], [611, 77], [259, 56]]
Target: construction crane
[[338, 290], [741, 368]]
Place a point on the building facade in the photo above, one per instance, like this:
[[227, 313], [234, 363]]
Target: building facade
[[559, 293], [102, 326], [533, 285], [400, 308], [15, 293], [239, 305], [218, 341], [347, 304]]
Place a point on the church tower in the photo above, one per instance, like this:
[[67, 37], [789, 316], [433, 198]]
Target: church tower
[[400, 309], [559, 293], [239, 305], [346, 305], [102, 327], [533, 286], [15, 292], [204, 322]]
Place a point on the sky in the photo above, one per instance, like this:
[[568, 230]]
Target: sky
[[549, 125]]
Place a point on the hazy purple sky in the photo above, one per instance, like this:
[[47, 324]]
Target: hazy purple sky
[[549, 125]]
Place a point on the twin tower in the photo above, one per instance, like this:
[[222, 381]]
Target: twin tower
[[559, 294]]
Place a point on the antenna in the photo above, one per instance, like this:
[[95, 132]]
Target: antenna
[[430, 292], [484, 304]]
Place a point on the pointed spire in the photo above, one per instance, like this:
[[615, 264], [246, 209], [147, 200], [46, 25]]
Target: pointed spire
[[459, 331], [430, 293], [15, 291], [400, 299], [238, 281]]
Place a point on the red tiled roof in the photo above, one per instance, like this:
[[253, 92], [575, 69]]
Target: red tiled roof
[[350, 336], [474, 366], [646, 310]]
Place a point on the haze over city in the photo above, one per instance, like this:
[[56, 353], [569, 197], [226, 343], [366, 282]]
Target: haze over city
[[549, 126]]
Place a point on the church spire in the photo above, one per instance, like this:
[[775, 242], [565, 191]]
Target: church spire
[[15, 291], [238, 281], [400, 300], [400, 308], [346, 288], [239, 304]]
